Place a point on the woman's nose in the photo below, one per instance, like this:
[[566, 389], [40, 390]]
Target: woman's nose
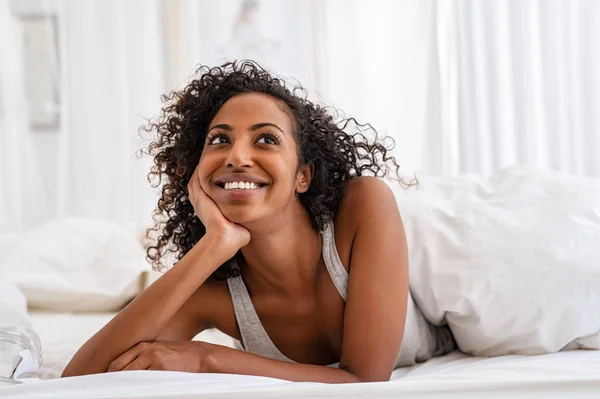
[[239, 155]]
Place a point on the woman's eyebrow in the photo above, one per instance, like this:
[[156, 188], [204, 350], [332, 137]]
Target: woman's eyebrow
[[254, 127], [265, 124], [223, 126]]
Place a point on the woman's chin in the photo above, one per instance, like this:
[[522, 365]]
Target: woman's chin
[[239, 216]]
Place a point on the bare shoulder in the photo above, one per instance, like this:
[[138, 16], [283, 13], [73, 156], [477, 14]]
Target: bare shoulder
[[366, 201], [365, 195]]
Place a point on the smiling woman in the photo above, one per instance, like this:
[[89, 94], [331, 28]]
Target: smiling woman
[[283, 243], [197, 122]]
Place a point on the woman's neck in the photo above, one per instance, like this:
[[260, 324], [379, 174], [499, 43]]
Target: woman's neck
[[283, 255]]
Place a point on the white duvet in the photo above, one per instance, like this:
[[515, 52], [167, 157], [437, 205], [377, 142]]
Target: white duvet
[[511, 263]]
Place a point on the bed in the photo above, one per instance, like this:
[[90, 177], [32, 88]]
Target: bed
[[564, 374], [510, 263]]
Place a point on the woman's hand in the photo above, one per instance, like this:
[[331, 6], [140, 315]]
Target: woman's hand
[[188, 356], [211, 217]]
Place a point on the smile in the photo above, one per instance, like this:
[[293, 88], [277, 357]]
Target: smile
[[240, 185], [240, 190]]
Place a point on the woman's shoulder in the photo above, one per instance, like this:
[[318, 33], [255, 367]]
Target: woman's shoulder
[[364, 195], [363, 184]]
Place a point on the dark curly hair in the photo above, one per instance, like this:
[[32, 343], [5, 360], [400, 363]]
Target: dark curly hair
[[338, 148]]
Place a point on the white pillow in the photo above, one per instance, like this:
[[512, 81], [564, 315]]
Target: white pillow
[[511, 263], [7, 241], [20, 347], [76, 264]]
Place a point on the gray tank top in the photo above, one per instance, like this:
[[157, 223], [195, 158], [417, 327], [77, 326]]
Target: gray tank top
[[420, 342]]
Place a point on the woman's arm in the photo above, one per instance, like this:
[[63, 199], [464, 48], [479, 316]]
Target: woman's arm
[[147, 315], [378, 286], [203, 357], [222, 359]]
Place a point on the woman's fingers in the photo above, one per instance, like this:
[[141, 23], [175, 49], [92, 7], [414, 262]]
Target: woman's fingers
[[204, 207], [193, 193], [139, 363], [126, 358]]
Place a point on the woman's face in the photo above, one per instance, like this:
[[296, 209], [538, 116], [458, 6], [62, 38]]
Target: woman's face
[[249, 164]]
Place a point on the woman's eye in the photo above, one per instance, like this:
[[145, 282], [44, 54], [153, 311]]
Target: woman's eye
[[267, 139], [218, 140]]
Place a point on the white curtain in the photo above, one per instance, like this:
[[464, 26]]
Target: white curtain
[[22, 199], [114, 76], [461, 85], [528, 86], [378, 63], [470, 85], [280, 35]]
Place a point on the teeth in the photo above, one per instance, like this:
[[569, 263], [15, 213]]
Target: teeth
[[241, 185]]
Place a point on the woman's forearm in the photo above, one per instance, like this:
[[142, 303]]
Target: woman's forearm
[[221, 359], [144, 318]]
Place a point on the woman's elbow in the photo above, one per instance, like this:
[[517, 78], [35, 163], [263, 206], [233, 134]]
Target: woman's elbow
[[373, 378], [368, 376], [70, 371]]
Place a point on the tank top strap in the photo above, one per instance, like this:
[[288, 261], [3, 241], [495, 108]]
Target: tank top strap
[[334, 265]]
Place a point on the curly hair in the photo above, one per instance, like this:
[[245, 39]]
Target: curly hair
[[338, 148]]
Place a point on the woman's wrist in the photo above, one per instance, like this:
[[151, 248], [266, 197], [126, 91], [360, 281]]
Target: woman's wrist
[[221, 243], [206, 354]]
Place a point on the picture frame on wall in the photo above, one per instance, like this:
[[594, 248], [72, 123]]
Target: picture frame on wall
[[42, 70]]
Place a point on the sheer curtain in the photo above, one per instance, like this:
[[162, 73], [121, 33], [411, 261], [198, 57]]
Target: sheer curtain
[[468, 85], [461, 85], [111, 78], [280, 35], [379, 63], [528, 87], [22, 202], [114, 76]]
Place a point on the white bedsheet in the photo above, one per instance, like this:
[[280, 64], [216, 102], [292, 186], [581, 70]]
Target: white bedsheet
[[565, 374], [63, 334]]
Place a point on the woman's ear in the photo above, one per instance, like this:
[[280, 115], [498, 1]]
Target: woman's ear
[[303, 178]]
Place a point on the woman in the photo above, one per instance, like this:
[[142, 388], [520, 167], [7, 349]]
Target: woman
[[281, 244]]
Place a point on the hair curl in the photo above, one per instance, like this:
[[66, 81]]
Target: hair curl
[[338, 148]]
